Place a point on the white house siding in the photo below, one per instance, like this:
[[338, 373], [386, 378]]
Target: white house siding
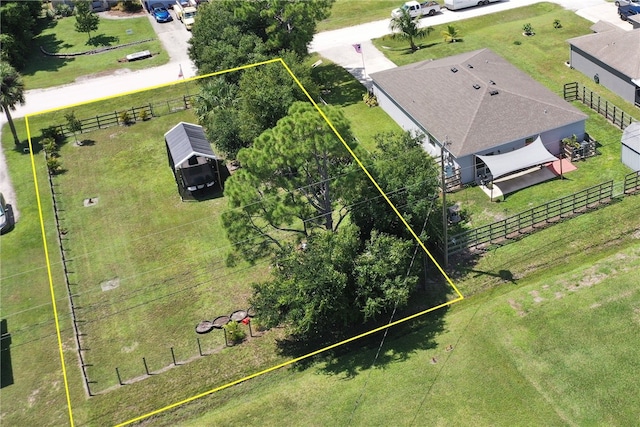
[[608, 77]]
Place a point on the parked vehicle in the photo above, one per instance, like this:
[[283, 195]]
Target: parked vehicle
[[461, 4], [185, 13], [619, 3], [5, 220], [415, 9], [160, 13], [626, 11]]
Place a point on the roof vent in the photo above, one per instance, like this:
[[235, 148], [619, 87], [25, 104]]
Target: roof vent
[[493, 92], [454, 70], [476, 86], [469, 66], [492, 82]]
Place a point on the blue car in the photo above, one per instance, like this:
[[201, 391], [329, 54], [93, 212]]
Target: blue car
[[626, 11], [160, 13]]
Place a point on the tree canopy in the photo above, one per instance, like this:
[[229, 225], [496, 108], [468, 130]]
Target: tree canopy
[[86, 20], [229, 34], [291, 182], [335, 282], [18, 23], [11, 93], [234, 115], [409, 177], [407, 27]]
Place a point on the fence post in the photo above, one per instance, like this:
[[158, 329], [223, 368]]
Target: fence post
[[173, 356], [622, 121], [146, 368], [133, 112], [151, 109], [119, 378], [98, 121]]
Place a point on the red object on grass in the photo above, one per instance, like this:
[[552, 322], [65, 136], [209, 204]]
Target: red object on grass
[[245, 321]]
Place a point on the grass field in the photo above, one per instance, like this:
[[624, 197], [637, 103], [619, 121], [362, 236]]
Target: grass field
[[553, 347], [60, 36], [514, 341]]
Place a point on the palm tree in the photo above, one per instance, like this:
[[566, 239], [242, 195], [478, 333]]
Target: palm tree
[[451, 34], [406, 27], [11, 93]]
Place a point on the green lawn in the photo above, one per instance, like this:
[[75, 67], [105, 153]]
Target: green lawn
[[553, 347], [60, 36], [346, 13]]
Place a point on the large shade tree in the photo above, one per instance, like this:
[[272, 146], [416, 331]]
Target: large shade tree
[[409, 177], [291, 182], [230, 34], [407, 27], [336, 282], [18, 23], [11, 93]]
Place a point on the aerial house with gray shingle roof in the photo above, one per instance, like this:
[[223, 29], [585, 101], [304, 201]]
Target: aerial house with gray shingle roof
[[476, 103], [611, 58]]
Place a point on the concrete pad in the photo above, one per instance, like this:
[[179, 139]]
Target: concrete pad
[[512, 183]]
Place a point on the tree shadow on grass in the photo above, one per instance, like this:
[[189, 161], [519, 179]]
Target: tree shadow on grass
[[102, 40], [337, 85], [37, 61], [401, 341]]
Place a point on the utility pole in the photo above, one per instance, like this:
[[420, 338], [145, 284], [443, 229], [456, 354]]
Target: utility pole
[[445, 217]]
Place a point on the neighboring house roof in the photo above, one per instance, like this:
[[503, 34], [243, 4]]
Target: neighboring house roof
[[485, 103], [617, 49], [602, 26], [631, 136], [186, 140]]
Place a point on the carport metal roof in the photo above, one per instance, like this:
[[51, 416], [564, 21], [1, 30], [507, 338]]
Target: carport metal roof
[[530, 155], [186, 140]]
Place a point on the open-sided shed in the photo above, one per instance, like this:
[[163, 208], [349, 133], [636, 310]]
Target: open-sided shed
[[191, 158]]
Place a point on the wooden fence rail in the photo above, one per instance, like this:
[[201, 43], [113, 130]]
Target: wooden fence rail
[[134, 114], [614, 114], [538, 217]]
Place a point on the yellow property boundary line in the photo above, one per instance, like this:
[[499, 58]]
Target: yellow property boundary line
[[273, 368]]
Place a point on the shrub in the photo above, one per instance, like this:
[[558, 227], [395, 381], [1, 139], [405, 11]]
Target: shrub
[[144, 115], [62, 10], [54, 165], [528, 29], [52, 132], [234, 332], [557, 24], [370, 99], [50, 146], [124, 118]]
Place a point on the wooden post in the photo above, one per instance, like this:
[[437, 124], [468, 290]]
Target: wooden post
[[199, 347], [146, 368], [173, 356], [119, 378]]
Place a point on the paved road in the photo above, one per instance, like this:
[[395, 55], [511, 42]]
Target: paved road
[[333, 45]]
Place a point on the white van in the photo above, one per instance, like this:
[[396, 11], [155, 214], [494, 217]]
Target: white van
[[461, 4]]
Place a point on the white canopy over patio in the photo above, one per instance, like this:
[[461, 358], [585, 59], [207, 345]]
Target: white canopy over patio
[[531, 155]]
